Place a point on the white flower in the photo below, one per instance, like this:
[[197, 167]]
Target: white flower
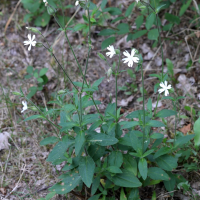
[[164, 88], [137, 1], [112, 51], [76, 3], [130, 58], [24, 106], [30, 42], [44, 1]]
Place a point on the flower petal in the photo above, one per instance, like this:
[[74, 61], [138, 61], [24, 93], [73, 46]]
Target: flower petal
[[133, 52], [29, 48]]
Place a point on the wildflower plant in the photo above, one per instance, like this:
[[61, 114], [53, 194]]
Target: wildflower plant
[[109, 163]]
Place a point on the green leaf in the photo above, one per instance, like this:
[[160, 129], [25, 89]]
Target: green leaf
[[79, 27], [172, 18], [96, 151], [147, 153], [39, 80], [183, 140], [162, 151], [135, 114], [154, 123], [125, 179], [113, 10], [123, 28], [95, 185], [197, 132], [103, 4], [130, 124], [134, 194], [136, 35], [115, 159], [167, 162], [157, 136], [184, 7], [69, 182], [102, 139], [150, 21], [130, 164], [79, 142], [142, 166], [170, 185], [149, 105], [139, 20], [49, 140], [95, 197], [156, 173], [170, 67], [153, 34], [114, 169], [98, 82], [107, 32], [130, 139], [86, 170], [43, 71], [122, 195], [59, 150], [29, 69], [107, 42], [117, 19], [129, 9], [165, 113], [50, 195], [33, 117]]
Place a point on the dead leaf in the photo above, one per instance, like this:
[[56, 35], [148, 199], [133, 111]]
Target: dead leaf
[[197, 33], [3, 191], [185, 129]]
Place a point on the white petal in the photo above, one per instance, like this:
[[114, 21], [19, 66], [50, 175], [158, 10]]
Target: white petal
[[33, 37], [125, 60], [161, 90], [34, 43], [133, 52], [166, 92], [76, 3], [26, 42], [165, 83], [136, 59], [162, 85], [126, 53], [29, 48], [29, 37]]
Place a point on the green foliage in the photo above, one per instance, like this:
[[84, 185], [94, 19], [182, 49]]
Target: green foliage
[[40, 77]]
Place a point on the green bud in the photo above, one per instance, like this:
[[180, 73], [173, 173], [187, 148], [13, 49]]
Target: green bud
[[61, 92], [34, 30], [109, 72], [17, 93], [38, 44], [33, 108], [51, 10], [117, 51], [101, 56]]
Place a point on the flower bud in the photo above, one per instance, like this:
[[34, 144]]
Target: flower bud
[[38, 44], [101, 56], [61, 92], [117, 51], [109, 72], [33, 108], [34, 30], [51, 10], [17, 93]]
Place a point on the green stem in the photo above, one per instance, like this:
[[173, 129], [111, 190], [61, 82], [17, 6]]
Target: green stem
[[61, 66], [143, 108], [175, 123]]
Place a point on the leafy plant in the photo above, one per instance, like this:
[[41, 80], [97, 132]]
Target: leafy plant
[[108, 163]]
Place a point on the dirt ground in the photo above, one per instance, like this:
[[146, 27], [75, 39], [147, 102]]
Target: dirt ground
[[24, 172]]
